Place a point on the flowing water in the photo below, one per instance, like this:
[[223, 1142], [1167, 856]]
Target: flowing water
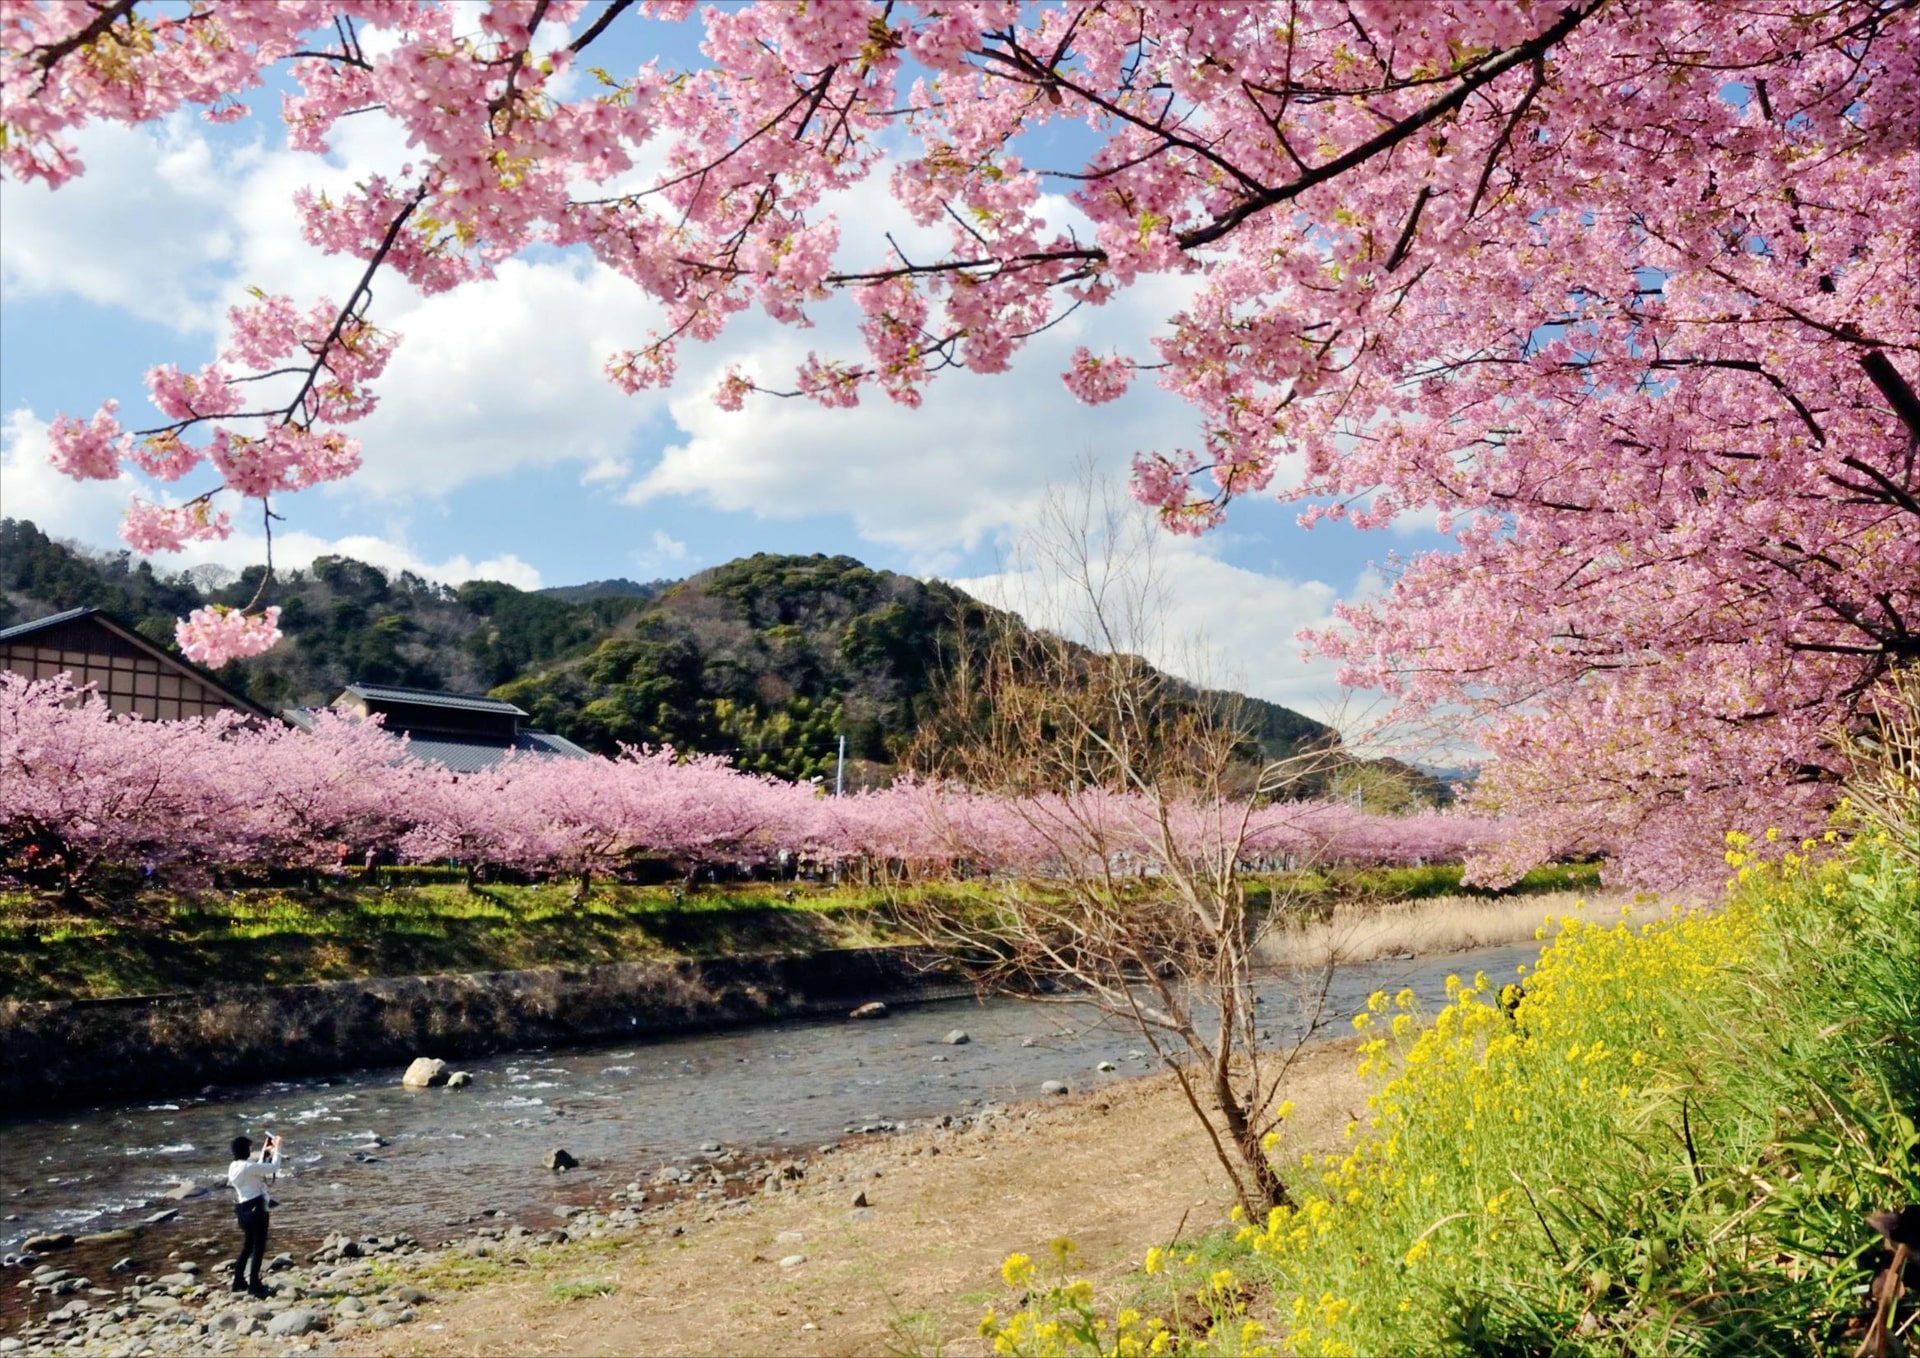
[[367, 1156]]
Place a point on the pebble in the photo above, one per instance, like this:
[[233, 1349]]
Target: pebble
[[1054, 1087], [793, 1261], [1106, 1065], [957, 1038]]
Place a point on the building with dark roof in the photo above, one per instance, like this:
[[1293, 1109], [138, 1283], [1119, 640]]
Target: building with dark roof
[[464, 732], [130, 672]]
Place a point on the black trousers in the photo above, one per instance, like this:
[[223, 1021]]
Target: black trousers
[[252, 1216]]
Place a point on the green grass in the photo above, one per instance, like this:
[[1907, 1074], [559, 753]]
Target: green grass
[[577, 1289], [1330, 885], [163, 942], [414, 921]]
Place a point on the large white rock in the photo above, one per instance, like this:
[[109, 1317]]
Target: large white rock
[[425, 1073]]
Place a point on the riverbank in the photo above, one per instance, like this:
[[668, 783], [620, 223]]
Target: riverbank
[[884, 1245], [426, 921]]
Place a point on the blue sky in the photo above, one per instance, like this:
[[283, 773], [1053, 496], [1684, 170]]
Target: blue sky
[[500, 450]]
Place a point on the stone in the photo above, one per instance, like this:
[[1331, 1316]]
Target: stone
[[278, 1262], [47, 1244], [1055, 1087], [165, 1214], [159, 1302], [1106, 1065], [957, 1038], [410, 1295], [426, 1072], [1029, 1041], [872, 1009], [860, 1198], [184, 1190], [460, 1079], [290, 1323], [793, 1261], [351, 1305], [119, 1237], [380, 1318], [560, 1160], [121, 1265]]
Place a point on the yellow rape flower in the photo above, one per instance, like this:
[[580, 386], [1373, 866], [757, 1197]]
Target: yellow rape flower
[[1017, 1271]]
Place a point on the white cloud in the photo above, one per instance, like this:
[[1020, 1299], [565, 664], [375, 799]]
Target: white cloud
[[89, 512], [496, 375], [667, 556], [1219, 624]]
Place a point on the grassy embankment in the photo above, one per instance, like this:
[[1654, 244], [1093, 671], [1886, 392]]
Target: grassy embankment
[[1668, 1143], [414, 922]]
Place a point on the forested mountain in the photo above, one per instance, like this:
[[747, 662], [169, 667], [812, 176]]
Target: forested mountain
[[768, 659]]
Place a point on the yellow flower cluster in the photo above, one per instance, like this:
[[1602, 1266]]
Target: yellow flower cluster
[[1478, 1121]]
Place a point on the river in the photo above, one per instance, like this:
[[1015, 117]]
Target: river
[[367, 1156]]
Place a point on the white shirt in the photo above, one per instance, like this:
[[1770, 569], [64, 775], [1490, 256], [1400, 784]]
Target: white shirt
[[249, 1178]]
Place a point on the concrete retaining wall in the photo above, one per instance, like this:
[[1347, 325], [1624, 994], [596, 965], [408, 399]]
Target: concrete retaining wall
[[67, 1051]]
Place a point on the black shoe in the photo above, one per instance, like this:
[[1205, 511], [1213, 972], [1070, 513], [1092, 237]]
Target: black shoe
[[239, 1285], [261, 1290]]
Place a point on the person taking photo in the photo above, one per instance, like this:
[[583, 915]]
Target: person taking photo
[[250, 1176]]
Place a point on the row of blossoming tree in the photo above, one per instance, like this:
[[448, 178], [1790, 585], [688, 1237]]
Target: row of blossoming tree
[[83, 788]]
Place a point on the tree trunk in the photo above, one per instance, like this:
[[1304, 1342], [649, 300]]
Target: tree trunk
[[1273, 1193]]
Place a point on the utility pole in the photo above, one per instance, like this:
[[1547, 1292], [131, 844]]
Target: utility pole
[[840, 768]]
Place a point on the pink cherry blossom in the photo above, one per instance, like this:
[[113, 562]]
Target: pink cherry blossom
[[214, 635]]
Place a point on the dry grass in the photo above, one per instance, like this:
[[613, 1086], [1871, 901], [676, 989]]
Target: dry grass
[[1362, 932]]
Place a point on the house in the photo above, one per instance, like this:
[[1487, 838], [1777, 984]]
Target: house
[[130, 672], [465, 732]]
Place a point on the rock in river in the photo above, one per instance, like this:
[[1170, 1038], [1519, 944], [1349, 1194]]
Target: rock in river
[[460, 1079], [1054, 1087], [870, 1010], [46, 1244], [957, 1038], [425, 1073], [560, 1160]]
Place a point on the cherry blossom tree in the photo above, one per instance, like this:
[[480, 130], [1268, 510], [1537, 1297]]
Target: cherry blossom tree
[[1621, 291], [84, 788]]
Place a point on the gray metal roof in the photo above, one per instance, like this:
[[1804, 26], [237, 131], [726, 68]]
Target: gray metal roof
[[22, 629], [426, 697], [469, 756]]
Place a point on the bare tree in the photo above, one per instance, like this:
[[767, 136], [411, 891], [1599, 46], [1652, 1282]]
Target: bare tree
[[1138, 788]]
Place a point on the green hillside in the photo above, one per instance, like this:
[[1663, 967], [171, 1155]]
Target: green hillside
[[768, 659]]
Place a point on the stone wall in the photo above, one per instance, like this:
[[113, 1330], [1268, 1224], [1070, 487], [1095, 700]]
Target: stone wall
[[65, 1051]]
